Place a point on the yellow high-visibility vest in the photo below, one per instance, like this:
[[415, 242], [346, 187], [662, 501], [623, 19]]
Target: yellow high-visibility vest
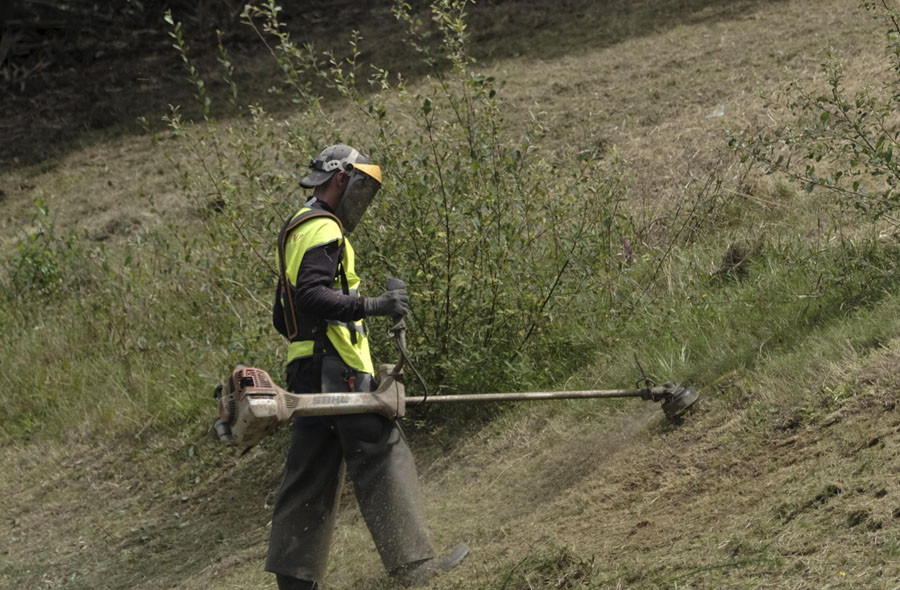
[[311, 233]]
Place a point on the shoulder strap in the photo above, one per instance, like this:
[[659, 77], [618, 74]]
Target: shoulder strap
[[290, 314]]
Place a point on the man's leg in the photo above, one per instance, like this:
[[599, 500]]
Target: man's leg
[[383, 472], [288, 583], [386, 486], [303, 518]]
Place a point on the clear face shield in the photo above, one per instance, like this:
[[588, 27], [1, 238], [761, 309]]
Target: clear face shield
[[365, 180]]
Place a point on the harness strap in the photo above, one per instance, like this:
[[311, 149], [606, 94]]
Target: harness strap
[[345, 288]]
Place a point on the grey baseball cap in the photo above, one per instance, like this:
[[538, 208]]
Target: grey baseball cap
[[333, 158]]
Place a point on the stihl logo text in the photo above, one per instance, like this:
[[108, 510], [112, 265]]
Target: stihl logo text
[[323, 400]]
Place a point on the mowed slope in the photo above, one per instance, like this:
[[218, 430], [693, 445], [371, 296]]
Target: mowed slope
[[796, 492], [784, 477]]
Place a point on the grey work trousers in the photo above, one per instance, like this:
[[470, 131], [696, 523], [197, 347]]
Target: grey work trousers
[[373, 450]]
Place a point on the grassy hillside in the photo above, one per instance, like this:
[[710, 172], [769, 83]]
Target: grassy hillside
[[780, 305]]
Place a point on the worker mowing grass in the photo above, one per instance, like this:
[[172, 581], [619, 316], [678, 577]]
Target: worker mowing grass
[[319, 310]]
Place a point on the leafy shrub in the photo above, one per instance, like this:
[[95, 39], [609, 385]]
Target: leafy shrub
[[41, 266], [838, 140], [493, 236], [523, 264]]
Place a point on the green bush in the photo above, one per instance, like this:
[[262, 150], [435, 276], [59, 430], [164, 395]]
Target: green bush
[[41, 266], [523, 264], [494, 237], [839, 140]]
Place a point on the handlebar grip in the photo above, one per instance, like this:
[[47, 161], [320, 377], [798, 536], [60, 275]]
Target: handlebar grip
[[399, 322], [395, 283], [399, 328]]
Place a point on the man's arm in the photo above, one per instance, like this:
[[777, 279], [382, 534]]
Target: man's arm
[[315, 295]]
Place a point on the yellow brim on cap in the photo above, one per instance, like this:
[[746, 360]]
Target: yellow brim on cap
[[372, 170]]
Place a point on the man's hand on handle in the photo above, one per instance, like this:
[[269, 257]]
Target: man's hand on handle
[[393, 302]]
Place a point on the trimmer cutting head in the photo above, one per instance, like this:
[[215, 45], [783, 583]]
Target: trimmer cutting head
[[679, 401]]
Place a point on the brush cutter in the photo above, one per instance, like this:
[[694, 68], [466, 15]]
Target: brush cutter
[[253, 405]]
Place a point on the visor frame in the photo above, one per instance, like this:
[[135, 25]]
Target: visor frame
[[371, 170]]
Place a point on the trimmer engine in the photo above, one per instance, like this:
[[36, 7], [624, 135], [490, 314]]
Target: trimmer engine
[[253, 406], [248, 411]]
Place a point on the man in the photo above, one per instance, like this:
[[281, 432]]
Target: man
[[319, 310]]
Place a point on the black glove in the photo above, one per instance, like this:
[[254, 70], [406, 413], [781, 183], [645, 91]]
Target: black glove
[[393, 303]]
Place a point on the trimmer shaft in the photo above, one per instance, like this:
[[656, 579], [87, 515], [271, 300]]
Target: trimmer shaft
[[252, 405], [675, 399]]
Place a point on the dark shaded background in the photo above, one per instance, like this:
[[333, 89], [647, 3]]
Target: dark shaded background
[[73, 71]]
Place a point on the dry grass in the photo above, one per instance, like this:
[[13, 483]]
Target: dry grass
[[609, 500]]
